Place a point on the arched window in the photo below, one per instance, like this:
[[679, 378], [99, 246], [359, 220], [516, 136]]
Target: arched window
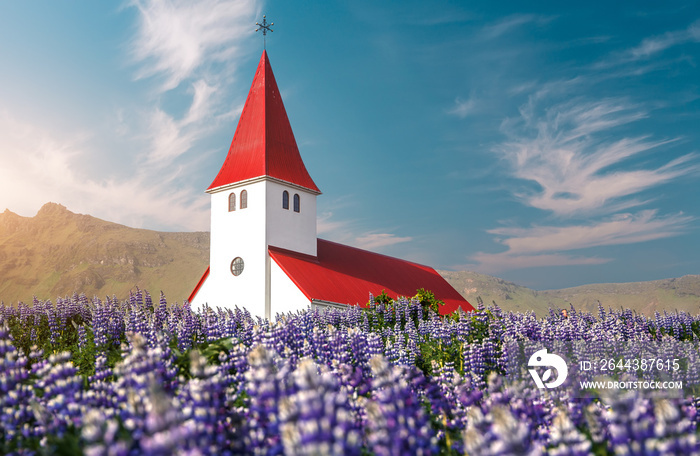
[[297, 203], [285, 199], [244, 199], [232, 202]]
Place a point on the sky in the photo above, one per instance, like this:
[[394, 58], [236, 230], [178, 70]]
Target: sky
[[552, 144]]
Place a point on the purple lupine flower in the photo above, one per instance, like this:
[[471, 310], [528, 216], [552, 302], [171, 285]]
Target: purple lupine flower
[[148, 301], [165, 430], [59, 407], [82, 337], [630, 422], [498, 433], [317, 418], [141, 368], [160, 313], [100, 393], [458, 396], [54, 325], [16, 418], [211, 427], [673, 432], [187, 329], [474, 362], [398, 423], [100, 435], [212, 324], [266, 389], [100, 327], [565, 439]]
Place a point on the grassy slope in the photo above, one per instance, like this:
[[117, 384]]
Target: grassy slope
[[644, 297], [507, 295], [58, 252]]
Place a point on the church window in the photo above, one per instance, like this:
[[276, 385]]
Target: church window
[[232, 202], [285, 199], [297, 203], [237, 266], [244, 199]]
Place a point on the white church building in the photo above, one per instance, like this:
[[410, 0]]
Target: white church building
[[264, 253]]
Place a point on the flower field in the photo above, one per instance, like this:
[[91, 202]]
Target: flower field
[[110, 377]]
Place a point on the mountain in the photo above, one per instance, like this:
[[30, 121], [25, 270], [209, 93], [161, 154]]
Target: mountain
[[682, 294], [58, 252], [507, 295]]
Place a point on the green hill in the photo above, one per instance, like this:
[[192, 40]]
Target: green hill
[[681, 294], [58, 252], [507, 295]]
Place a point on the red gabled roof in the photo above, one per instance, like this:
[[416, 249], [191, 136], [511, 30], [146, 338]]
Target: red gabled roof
[[264, 143], [347, 275]]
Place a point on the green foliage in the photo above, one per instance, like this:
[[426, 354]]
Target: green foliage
[[431, 349], [383, 298], [428, 300], [210, 351], [434, 351]]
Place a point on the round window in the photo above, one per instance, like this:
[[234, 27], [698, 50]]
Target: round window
[[237, 266]]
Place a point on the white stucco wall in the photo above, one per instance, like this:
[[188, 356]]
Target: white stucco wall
[[240, 233], [285, 296], [246, 233], [287, 229]]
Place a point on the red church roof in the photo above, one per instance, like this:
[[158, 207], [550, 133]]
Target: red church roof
[[347, 275], [264, 143], [199, 285]]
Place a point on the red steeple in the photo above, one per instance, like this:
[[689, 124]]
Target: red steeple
[[264, 144]]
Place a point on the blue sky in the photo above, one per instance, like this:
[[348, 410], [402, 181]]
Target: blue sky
[[545, 143]]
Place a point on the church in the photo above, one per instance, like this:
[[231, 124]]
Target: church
[[264, 253]]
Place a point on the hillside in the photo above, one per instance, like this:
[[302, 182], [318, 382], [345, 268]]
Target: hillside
[[643, 297], [58, 252], [507, 295]]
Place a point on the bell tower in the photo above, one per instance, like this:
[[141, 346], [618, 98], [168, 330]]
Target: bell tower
[[262, 196]]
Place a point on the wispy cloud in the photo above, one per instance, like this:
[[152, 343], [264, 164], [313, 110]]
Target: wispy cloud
[[650, 47], [41, 165], [582, 166], [348, 232], [577, 168], [325, 225], [620, 229], [372, 241], [192, 49], [169, 138], [195, 47], [653, 45], [463, 108], [179, 39], [543, 245], [507, 24]]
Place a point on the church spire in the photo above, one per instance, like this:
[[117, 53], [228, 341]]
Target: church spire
[[264, 143]]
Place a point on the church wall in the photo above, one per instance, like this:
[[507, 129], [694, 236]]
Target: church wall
[[288, 229], [240, 233], [285, 296]]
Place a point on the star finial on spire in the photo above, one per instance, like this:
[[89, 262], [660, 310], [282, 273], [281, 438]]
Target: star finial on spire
[[265, 27]]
